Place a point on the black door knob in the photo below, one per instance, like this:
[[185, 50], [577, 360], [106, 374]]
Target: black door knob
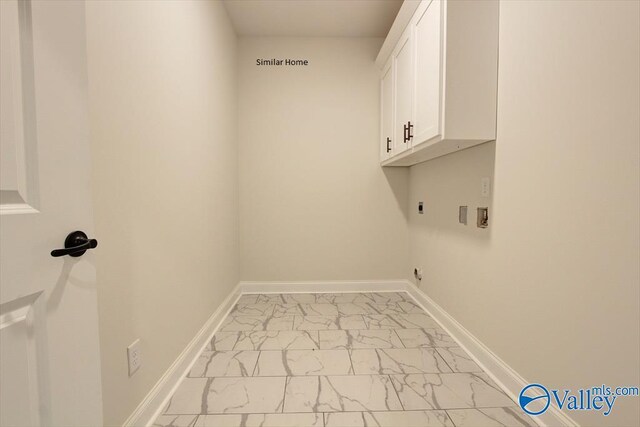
[[75, 245]]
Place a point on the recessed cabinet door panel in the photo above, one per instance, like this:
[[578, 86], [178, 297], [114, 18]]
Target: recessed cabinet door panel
[[427, 38], [386, 135], [404, 85]]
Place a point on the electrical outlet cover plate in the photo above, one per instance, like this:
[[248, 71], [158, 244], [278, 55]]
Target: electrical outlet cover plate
[[485, 186], [462, 215], [134, 357]]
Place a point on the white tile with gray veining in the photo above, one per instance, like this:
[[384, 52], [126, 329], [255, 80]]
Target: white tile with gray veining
[[261, 420], [300, 298], [409, 307], [190, 397], [335, 298], [277, 340], [385, 297], [414, 320], [335, 359], [369, 308], [223, 341], [443, 391], [490, 417], [350, 308], [318, 323], [225, 364], [270, 299], [387, 308], [381, 321], [296, 298], [383, 361], [318, 310], [261, 309], [388, 419], [175, 421], [458, 359], [434, 337], [257, 323], [240, 395], [340, 393], [366, 338], [286, 309], [303, 362]]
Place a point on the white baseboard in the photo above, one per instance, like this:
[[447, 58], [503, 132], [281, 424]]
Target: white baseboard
[[159, 396], [248, 287], [499, 371], [508, 379]]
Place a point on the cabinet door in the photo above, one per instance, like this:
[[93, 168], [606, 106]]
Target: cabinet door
[[427, 39], [387, 138], [404, 86]]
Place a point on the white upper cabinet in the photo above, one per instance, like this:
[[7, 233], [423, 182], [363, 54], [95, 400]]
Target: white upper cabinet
[[445, 72], [426, 34], [386, 109], [403, 86]]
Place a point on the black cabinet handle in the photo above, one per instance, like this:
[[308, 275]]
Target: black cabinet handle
[[388, 144], [75, 245], [404, 133]]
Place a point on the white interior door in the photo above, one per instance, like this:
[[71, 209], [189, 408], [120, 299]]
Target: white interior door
[[49, 351]]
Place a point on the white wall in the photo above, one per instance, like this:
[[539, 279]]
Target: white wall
[[552, 286], [163, 125], [314, 202]]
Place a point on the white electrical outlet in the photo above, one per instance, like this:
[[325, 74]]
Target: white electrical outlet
[[485, 186], [134, 356]]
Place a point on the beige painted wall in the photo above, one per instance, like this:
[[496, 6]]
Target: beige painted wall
[[314, 202], [163, 125], [552, 286]]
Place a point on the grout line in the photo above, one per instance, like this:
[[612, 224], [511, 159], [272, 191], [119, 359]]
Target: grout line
[[348, 375], [480, 408], [348, 329], [324, 292], [357, 412]]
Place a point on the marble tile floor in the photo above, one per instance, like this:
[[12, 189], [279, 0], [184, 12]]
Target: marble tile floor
[[343, 359]]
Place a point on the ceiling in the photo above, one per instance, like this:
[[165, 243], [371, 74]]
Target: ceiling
[[313, 18]]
